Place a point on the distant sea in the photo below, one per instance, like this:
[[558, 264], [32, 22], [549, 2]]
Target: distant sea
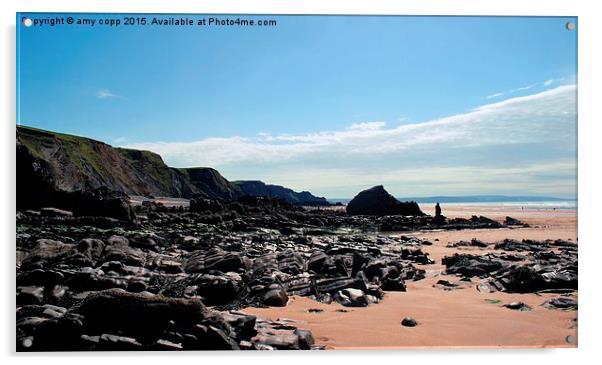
[[531, 203]]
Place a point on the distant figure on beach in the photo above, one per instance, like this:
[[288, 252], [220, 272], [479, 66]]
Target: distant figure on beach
[[437, 210]]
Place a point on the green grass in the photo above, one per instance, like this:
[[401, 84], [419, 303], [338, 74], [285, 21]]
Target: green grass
[[79, 150], [93, 158]]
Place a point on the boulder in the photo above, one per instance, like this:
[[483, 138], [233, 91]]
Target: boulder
[[353, 298], [509, 221], [317, 261], [137, 315], [212, 338], [409, 322], [561, 303], [275, 297], [519, 306], [218, 290], [471, 265], [377, 201], [30, 295]]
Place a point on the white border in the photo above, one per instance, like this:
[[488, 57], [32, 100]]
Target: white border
[[590, 61]]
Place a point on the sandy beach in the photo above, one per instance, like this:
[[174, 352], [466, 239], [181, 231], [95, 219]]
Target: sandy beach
[[448, 318]]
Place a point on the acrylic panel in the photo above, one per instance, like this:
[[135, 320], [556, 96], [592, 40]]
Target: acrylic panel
[[275, 182]]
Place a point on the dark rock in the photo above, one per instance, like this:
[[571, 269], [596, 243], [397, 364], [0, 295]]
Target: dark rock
[[205, 205], [525, 245], [244, 326], [190, 342], [108, 342], [40, 277], [353, 298], [46, 251], [259, 188], [485, 222], [215, 259], [30, 295], [55, 212], [409, 322], [306, 339], [561, 303], [57, 333], [101, 202], [527, 279], [275, 298], [217, 290], [470, 265], [91, 248], [472, 243], [416, 255], [116, 310], [318, 261], [125, 255], [269, 339], [137, 286], [166, 345], [376, 201], [509, 221], [213, 338], [517, 306]]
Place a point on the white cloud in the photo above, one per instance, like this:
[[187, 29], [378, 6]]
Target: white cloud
[[367, 126], [525, 133], [496, 95], [427, 180], [105, 93], [120, 140], [524, 119], [522, 88]]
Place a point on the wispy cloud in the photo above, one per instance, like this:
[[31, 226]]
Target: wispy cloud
[[524, 88], [105, 93], [519, 135], [496, 95], [367, 126], [120, 140]]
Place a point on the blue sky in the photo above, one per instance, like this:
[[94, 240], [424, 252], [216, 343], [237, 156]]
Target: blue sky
[[423, 105]]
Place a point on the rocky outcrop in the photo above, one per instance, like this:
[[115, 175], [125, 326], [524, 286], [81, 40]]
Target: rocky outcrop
[[377, 201], [259, 188], [151, 284], [52, 165], [538, 270], [203, 182]]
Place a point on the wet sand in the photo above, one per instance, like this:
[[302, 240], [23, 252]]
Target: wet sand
[[456, 318]]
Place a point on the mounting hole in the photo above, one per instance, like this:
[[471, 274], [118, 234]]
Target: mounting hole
[[27, 22], [570, 339], [570, 26]]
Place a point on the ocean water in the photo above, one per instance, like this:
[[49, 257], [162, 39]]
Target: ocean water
[[519, 205]]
